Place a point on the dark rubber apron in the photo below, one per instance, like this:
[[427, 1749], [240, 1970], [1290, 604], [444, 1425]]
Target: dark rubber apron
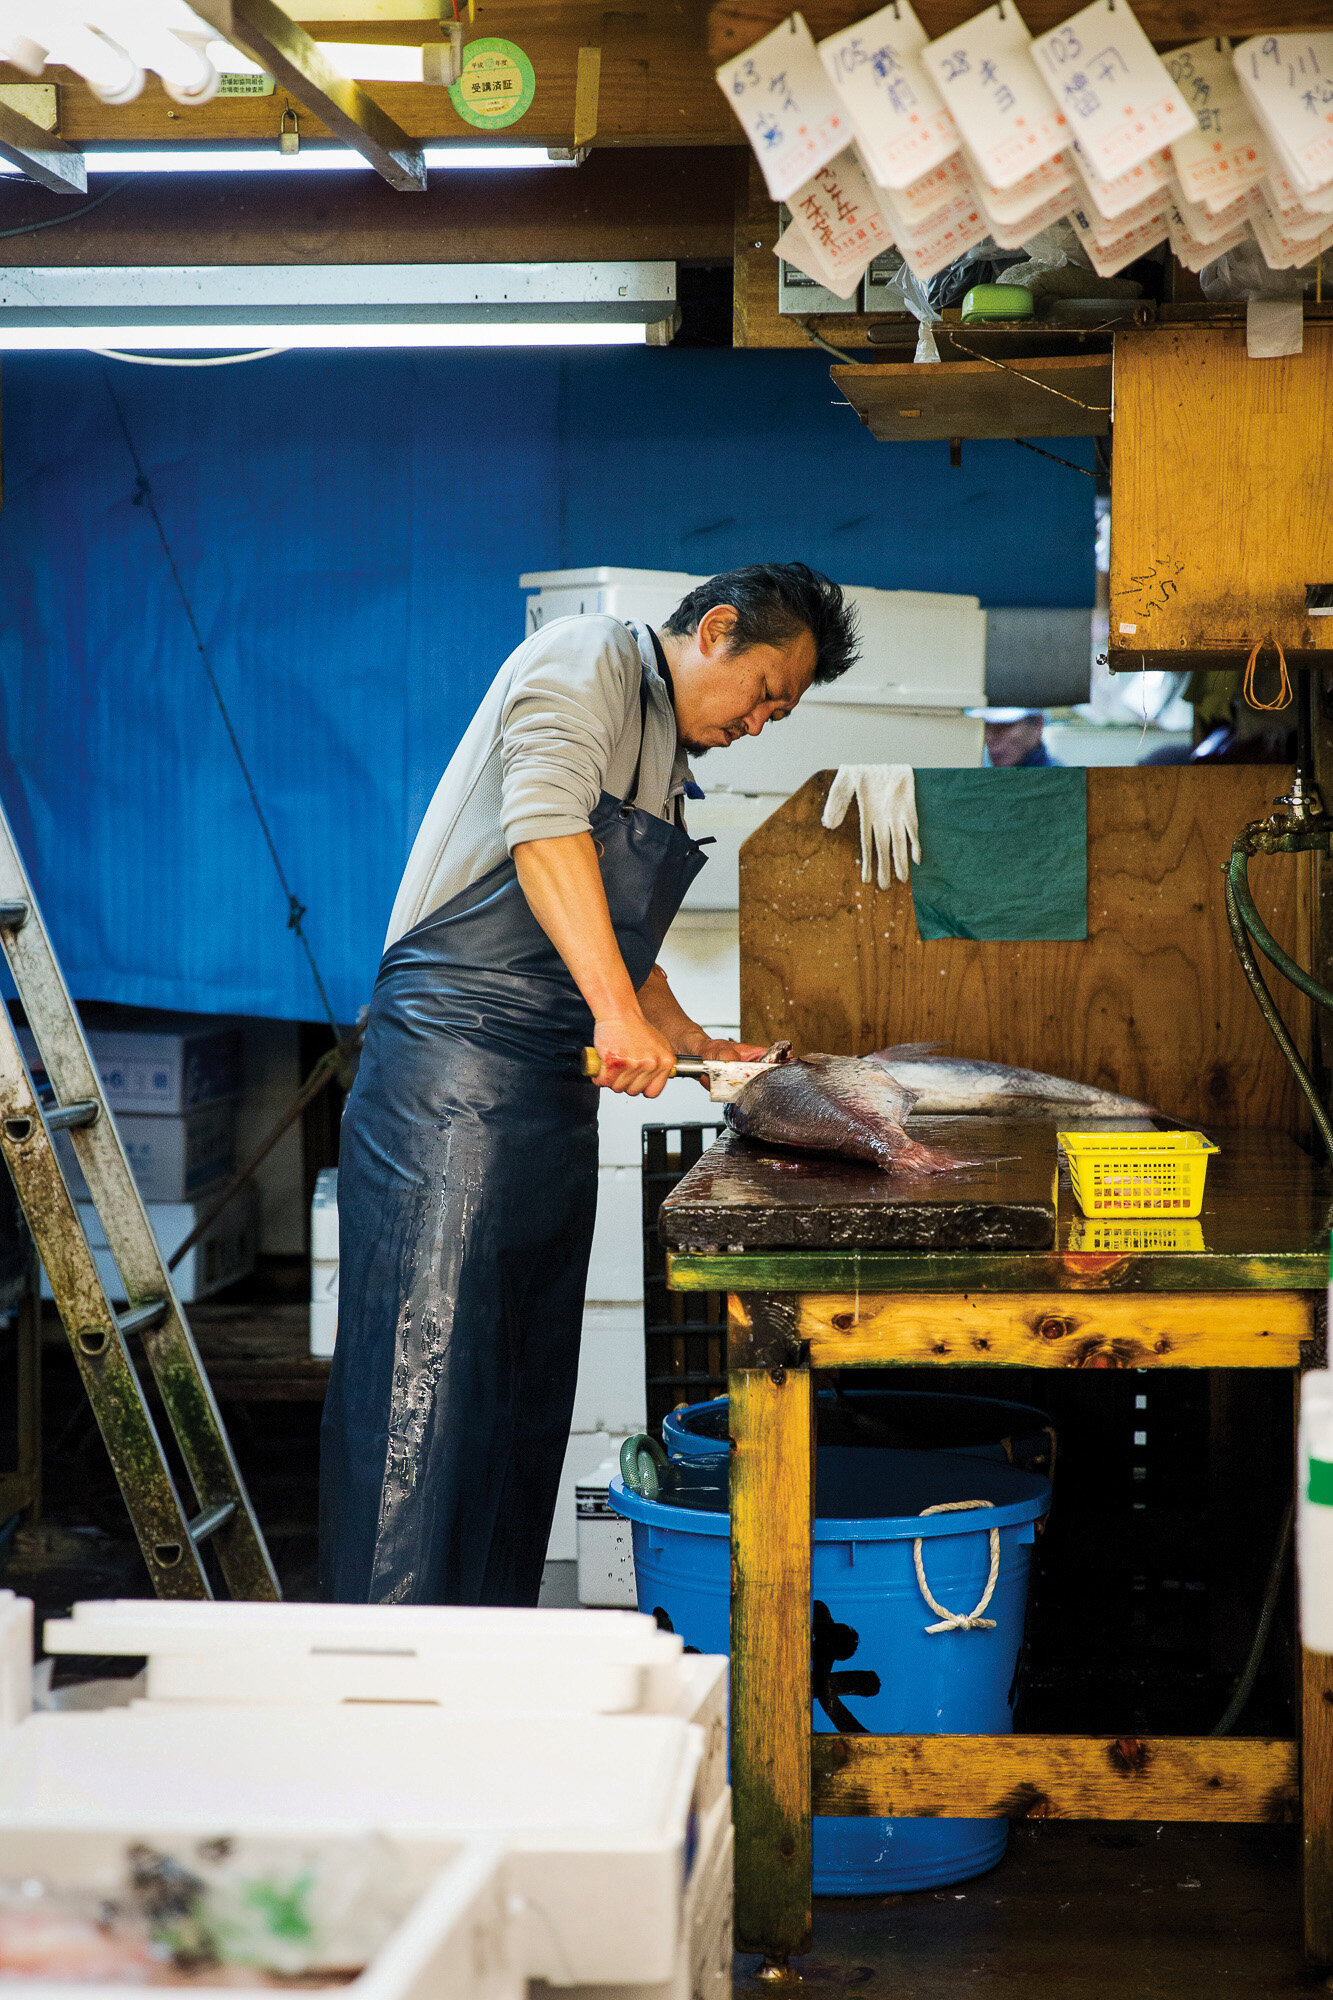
[[467, 1191]]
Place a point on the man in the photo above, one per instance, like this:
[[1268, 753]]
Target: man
[[1014, 739], [550, 863]]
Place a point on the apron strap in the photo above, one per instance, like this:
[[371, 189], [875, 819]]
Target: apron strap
[[632, 795]]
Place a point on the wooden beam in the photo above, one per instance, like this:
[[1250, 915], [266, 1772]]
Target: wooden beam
[[972, 1271], [270, 37], [734, 24], [1027, 396], [40, 155], [1316, 1690], [1058, 1329], [1192, 1778]]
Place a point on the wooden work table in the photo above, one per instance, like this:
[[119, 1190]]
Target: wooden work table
[[829, 1264]]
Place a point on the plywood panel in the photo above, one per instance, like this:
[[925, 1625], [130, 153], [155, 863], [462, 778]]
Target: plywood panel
[[1042, 396], [1223, 470], [1153, 1003]]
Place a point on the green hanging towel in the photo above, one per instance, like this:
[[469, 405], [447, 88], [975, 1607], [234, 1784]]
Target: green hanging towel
[[1004, 854]]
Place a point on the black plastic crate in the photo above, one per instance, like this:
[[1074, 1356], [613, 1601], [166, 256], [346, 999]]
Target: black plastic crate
[[685, 1333]]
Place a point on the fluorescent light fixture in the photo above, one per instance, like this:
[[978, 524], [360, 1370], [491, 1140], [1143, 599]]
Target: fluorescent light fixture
[[153, 339], [334, 305], [312, 158]]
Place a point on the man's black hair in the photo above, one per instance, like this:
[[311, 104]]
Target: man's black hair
[[774, 602]]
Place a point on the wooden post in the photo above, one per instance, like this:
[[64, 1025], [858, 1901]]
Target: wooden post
[[772, 1497], [1317, 1804]]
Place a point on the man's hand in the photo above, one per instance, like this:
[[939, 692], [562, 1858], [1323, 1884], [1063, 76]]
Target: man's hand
[[636, 1060], [728, 1052]]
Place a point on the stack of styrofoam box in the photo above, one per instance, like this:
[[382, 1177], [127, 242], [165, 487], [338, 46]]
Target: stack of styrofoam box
[[587, 1743], [172, 1085], [324, 1262]]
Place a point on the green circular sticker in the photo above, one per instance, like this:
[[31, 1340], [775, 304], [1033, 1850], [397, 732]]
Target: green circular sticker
[[497, 84]]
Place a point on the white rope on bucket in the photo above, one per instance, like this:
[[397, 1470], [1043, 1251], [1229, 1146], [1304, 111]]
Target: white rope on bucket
[[960, 1621]]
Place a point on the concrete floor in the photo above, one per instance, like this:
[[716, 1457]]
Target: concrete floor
[[1078, 1912]]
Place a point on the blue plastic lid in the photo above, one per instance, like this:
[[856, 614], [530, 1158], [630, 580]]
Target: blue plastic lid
[[862, 1495]]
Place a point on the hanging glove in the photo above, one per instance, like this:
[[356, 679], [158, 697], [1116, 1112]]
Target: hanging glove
[[885, 797]]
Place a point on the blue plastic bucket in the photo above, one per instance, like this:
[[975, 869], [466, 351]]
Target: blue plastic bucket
[[875, 1663], [903, 1419]]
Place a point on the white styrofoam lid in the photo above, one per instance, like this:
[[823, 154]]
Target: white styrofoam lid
[[587, 579]]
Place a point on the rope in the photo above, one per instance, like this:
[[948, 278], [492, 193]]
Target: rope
[[1054, 457], [296, 910], [960, 1621], [1101, 409], [1284, 685]]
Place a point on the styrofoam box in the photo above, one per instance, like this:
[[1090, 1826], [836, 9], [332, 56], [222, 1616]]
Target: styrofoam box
[[172, 1159], [584, 1450], [726, 818], [324, 1263], [611, 1394], [593, 1811], [605, 1543], [226, 1252], [454, 1939], [615, 1268], [167, 1066], [15, 1659]]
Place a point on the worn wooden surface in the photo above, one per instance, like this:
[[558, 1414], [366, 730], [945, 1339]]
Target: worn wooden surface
[[1056, 1777], [1152, 1003], [1053, 1330], [1035, 396], [630, 204], [772, 1498], [742, 1194], [1223, 471], [1317, 1800], [1267, 1213], [258, 1354]]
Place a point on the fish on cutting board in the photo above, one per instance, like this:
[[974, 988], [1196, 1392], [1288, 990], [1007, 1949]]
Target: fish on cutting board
[[947, 1084], [849, 1105]]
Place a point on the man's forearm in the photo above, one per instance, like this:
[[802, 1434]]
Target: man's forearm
[[667, 1015], [564, 889]]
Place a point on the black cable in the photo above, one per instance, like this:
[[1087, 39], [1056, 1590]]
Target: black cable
[[1054, 458], [53, 221], [296, 910]]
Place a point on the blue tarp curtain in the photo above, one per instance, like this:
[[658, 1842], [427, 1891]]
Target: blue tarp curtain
[[351, 529]]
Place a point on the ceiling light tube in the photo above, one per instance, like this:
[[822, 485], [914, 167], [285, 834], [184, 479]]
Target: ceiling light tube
[[378, 62], [312, 158], [350, 334]]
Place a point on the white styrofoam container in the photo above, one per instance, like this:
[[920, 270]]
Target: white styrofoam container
[[823, 734], [226, 1252], [15, 1659], [726, 818], [584, 1450], [454, 1939], [611, 1394], [594, 1811], [171, 1158], [701, 957], [605, 1544], [167, 1067], [324, 1262], [615, 1268]]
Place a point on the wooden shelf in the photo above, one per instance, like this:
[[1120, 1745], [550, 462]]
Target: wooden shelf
[[902, 401]]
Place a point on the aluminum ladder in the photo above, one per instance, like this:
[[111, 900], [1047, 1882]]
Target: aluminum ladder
[[170, 1536]]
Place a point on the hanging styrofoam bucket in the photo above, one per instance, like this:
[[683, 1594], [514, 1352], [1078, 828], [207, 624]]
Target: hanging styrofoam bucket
[[877, 1663], [906, 1419]]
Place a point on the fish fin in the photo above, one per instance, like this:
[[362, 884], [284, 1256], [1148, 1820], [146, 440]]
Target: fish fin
[[905, 1052]]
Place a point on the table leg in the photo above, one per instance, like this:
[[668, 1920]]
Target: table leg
[[1317, 1803], [772, 1493]]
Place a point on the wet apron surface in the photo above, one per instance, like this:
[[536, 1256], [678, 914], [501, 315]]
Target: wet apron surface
[[467, 1192]]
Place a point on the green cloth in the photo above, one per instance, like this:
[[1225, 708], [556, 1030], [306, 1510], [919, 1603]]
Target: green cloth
[[1004, 854]]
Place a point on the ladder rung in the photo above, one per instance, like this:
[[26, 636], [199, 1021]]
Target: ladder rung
[[143, 1318], [62, 1116], [13, 916], [210, 1520]]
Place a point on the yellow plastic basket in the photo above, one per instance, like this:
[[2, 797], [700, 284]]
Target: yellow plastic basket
[[1102, 1235], [1138, 1173]]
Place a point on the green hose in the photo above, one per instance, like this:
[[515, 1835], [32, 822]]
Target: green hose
[[1245, 922], [642, 1463]]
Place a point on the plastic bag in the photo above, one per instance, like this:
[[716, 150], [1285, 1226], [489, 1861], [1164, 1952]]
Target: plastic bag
[[1242, 274], [915, 300]]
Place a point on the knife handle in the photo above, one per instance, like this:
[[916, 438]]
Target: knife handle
[[591, 1065]]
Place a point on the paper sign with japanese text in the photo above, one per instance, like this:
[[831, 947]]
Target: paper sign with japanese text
[[915, 206], [1010, 205], [1206, 227], [1013, 235], [1283, 252], [897, 113], [1279, 190], [927, 250], [791, 113], [999, 102], [1126, 191], [1288, 83], [1109, 81], [1218, 162], [838, 212], [795, 248], [1112, 258], [1187, 249]]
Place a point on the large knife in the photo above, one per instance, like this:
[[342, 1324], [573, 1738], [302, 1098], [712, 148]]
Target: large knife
[[725, 1080]]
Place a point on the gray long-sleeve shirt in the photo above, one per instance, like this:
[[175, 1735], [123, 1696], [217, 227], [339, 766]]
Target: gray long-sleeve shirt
[[559, 725]]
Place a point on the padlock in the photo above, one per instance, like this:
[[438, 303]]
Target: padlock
[[289, 143]]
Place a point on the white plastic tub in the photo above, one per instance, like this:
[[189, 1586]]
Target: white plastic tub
[[453, 1939], [594, 1812]]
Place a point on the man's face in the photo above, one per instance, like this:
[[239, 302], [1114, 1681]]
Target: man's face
[[1008, 743], [721, 695]]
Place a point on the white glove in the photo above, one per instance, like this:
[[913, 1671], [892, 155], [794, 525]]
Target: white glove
[[885, 796]]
